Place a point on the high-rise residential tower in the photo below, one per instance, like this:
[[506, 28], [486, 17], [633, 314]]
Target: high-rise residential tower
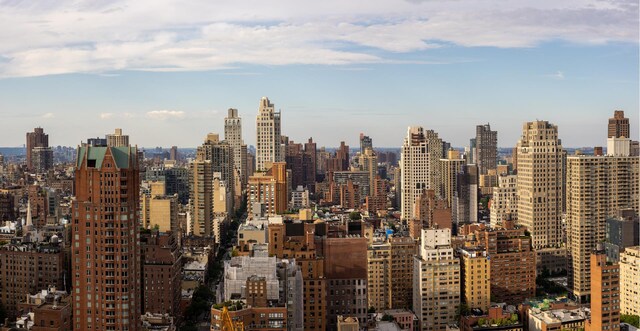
[[420, 168], [540, 191], [106, 244], [37, 138], [233, 136], [117, 139], [589, 203], [618, 125], [486, 148], [268, 149]]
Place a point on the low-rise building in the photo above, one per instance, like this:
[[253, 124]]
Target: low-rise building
[[558, 319]]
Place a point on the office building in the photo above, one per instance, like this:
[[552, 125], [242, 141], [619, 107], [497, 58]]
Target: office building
[[233, 136], [589, 203], [117, 139], [486, 149], [630, 281], [37, 138], [540, 191], [436, 281], [268, 126], [605, 293], [106, 249], [420, 170], [618, 125]]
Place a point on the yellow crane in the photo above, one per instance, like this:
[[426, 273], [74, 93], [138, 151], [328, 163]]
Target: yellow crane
[[228, 324]]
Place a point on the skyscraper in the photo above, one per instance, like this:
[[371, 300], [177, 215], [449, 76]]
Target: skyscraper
[[618, 125], [201, 196], [117, 139], [37, 138], [419, 164], [539, 188], [486, 148], [233, 136], [365, 142], [268, 149], [221, 155], [589, 203], [106, 249]]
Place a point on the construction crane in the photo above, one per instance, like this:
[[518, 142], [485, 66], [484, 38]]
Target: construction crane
[[228, 324]]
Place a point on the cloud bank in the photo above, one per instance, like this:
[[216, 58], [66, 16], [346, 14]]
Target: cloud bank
[[44, 38]]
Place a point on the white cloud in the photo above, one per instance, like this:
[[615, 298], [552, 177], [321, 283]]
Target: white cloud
[[165, 114], [559, 75], [169, 35], [48, 115], [106, 116]]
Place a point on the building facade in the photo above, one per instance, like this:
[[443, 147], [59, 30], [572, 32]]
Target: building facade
[[486, 148], [590, 203], [630, 281], [420, 154], [540, 191], [106, 246], [436, 281], [268, 126]]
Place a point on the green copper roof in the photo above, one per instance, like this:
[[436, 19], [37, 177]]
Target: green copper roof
[[95, 155]]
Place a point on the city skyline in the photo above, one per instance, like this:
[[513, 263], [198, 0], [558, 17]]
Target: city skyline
[[446, 66]]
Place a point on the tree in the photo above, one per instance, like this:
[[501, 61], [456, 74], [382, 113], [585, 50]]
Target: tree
[[462, 310], [630, 319], [387, 318], [372, 310], [355, 216]]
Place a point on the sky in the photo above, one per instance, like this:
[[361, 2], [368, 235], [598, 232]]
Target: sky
[[166, 71]]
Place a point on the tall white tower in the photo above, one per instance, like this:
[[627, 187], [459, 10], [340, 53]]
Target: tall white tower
[[268, 134]]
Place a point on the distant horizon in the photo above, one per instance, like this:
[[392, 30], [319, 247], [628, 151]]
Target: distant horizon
[[334, 68]]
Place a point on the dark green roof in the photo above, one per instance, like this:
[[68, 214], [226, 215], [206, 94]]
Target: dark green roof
[[121, 155]]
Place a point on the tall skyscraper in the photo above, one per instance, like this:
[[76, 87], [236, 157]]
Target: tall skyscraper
[[589, 203], [221, 155], [420, 168], [618, 125], [106, 248], [486, 148], [436, 281], [117, 139], [233, 136], [540, 191], [268, 124], [201, 196], [449, 169], [37, 138], [41, 159]]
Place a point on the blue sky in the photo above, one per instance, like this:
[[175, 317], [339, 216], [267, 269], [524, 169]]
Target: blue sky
[[166, 73]]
